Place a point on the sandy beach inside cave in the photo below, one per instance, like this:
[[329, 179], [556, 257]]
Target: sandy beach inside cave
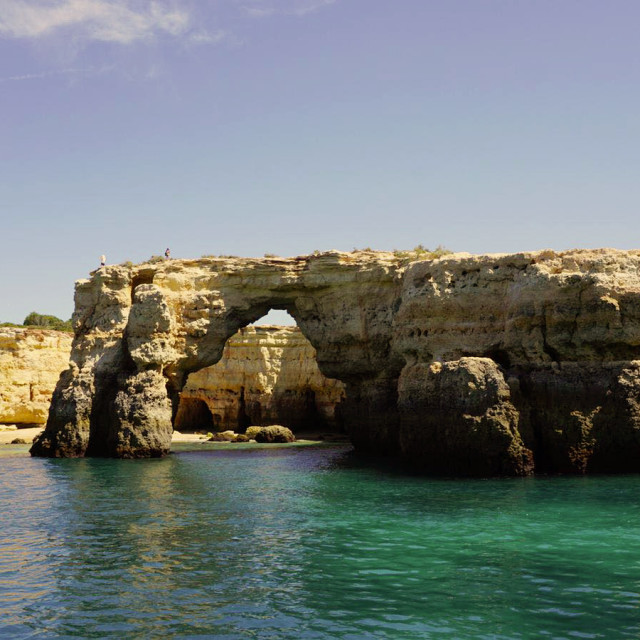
[[28, 434]]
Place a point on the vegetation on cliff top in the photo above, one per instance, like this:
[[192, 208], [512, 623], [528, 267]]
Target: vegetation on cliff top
[[422, 253], [419, 252], [41, 321]]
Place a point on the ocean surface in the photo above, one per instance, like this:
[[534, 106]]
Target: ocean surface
[[234, 542]]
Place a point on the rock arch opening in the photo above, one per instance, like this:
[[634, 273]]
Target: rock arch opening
[[268, 374]]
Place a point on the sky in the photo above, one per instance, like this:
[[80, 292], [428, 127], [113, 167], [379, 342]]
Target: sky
[[245, 127]]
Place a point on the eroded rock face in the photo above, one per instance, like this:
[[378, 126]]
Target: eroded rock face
[[174, 318], [266, 375], [485, 364], [31, 361], [564, 329], [457, 418]]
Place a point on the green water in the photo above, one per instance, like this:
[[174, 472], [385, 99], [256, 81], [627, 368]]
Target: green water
[[309, 542]]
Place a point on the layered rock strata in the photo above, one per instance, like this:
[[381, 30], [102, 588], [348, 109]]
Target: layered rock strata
[[30, 364], [266, 375], [491, 364]]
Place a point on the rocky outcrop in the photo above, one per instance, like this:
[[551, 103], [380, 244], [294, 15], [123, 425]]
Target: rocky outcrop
[[457, 417], [270, 433], [31, 361], [494, 364], [564, 330], [266, 375]]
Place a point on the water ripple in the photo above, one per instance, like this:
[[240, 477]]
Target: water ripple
[[313, 544]]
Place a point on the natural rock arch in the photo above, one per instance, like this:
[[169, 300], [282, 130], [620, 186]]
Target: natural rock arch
[[463, 364], [141, 330]]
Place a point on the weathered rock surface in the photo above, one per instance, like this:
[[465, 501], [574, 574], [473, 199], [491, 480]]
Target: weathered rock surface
[[266, 375], [31, 361], [270, 433], [224, 436], [457, 417], [491, 364]]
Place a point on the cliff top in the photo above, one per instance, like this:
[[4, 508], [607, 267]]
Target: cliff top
[[599, 260]]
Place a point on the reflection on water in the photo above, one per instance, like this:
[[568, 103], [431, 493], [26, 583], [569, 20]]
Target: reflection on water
[[311, 543]]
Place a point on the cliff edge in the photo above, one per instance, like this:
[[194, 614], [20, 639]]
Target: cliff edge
[[480, 365]]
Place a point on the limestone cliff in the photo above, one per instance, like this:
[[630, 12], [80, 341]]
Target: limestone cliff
[[463, 364], [31, 361], [267, 375]]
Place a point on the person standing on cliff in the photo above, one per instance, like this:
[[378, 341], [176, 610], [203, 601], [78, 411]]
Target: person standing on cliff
[[167, 254], [103, 260]]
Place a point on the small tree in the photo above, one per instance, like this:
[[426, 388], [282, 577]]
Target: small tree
[[47, 322]]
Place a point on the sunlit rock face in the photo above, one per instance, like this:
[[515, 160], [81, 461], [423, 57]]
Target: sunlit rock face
[[267, 375], [31, 361], [490, 364]]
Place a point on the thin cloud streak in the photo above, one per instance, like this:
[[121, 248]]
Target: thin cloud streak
[[294, 8], [72, 73], [203, 37], [38, 76], [311, 7]]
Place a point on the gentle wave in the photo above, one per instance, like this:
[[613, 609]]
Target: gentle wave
[[311, 543]]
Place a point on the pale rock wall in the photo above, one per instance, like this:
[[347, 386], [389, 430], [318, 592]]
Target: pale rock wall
[[31, 361], [267, 375], [154, 324], [480, 364], [564, 332]]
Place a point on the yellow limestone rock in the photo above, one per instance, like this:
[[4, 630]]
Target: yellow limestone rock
[[266, 375], [31, 361], [486, 364]]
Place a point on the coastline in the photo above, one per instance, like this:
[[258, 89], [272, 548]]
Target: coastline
[[29, 433]]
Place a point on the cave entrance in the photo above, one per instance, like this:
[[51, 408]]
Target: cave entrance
[[194, 415], [268, 374]]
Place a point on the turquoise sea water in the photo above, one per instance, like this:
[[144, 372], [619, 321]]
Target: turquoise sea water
[[310, 542]]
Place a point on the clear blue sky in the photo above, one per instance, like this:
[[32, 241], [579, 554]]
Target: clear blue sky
[[284, 126]]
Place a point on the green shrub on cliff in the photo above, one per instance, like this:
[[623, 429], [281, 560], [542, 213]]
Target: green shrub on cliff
[[47, 322], [422, 253]]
